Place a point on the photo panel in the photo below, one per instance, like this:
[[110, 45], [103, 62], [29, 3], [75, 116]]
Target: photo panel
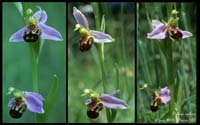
[[101, 61], [166, 62]]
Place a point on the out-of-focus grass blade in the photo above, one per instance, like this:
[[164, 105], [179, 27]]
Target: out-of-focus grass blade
[[114, 112], [103, 30], [164, 64], [178, 98], [178, 86], [191, 98], [19, 8], [143, 55], [49, 101]]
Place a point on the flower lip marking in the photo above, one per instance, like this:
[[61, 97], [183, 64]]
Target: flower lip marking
[[18, 108], [86, 43], [174, 33], [155, 101], [154, 106], [93, 109], [32, 35]]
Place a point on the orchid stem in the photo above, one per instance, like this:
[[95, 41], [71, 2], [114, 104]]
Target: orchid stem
[[34, 67], [170, 74]]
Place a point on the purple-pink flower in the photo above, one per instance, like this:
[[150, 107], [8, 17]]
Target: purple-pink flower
[[161, 31], [36, 29], [96, 102], [88, 36], [23, 100], [165, 95], [161, 96]]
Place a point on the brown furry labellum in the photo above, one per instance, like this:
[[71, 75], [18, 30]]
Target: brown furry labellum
[[18, 108], [93, 109], [155, 102], [32, 34], [174, 33], [86, 43]]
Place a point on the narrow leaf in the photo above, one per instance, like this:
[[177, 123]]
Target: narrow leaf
[[41, 44], [49, 101], [103, 30]]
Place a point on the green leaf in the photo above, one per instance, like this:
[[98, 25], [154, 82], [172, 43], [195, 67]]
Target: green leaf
[[117, 76], [49, 101], [179, 86], [41, 44], [114, 114], [19, 7], [103, 24], [164, 64]]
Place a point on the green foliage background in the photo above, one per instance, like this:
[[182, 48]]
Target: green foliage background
[[17, 66]]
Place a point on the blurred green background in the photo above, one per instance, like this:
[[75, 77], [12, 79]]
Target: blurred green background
[[17, 66], [84, 67], [152, 63]]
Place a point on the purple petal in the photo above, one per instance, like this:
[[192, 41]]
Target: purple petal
[[165, 99], [114, 106], [185, 34], [50, 33], [161, 35], [11, 102], [41, 16], [165, 91], [18, 36], [100, 37], [156, 23], [34, 102], [38, 96], [159, 32], [80, 18], [113, 102]]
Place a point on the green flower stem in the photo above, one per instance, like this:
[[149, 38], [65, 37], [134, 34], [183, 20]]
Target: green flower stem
[[34, 66], [170, 74], [101, 55], [104, 79]]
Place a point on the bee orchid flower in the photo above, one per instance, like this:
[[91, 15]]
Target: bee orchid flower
[[36, 29], [23, 100], [162, 30], [97, 102], [161, 96], [88, 36]]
